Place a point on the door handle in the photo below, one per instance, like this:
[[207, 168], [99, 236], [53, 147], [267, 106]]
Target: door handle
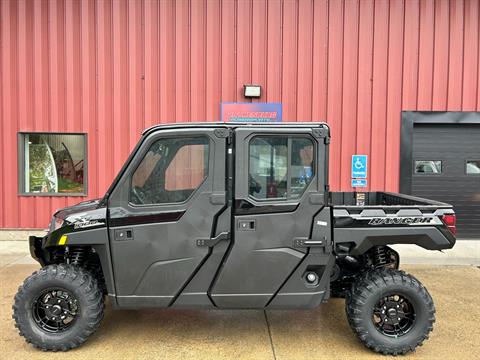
[[302, 242], [210, 242], [246, 225]]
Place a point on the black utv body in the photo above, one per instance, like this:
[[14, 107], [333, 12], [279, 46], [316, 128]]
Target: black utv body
[[229, 216]]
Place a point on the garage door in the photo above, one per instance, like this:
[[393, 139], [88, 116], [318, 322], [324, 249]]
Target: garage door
[[446, 167]]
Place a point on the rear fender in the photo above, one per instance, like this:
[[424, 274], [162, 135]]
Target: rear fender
[[360, 240]]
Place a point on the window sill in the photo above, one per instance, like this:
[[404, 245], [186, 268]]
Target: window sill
[[53, 194]]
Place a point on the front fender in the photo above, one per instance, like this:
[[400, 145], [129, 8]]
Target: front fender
[[35, 245]]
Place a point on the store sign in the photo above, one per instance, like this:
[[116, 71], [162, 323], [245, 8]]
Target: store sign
[[251, 112]]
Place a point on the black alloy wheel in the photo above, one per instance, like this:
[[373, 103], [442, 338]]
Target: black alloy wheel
[[58, 307], [393, 315], [55, 310], [390, 311]]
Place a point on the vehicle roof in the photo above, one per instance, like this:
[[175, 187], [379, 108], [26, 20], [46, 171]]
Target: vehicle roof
[[180, 125]]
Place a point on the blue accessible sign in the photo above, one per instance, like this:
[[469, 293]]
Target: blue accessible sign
[[359, 166], [359, 182]]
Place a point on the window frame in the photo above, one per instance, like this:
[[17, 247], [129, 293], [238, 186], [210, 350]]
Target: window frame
[[289, 137], [210, 145], [427, 174], [21, 164], [465, 167]]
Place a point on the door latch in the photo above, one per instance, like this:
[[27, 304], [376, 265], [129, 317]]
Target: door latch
[[213, 241], [123, 234], [246, 225]]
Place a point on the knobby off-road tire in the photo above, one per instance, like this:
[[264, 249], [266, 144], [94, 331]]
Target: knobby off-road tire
[[390, 290], [73, 288]]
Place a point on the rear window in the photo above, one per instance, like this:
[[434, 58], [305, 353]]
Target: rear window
[[280, 167]]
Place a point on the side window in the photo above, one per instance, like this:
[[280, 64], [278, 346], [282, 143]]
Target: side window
[[267, 169], [171, 171], [472, 167], [428, 167], [188, 169], [301, 165], [53, 163], [280, 167]]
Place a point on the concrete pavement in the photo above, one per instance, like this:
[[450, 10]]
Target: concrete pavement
[[322, 333], [465, 252]]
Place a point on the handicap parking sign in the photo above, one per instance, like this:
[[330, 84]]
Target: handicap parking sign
[[359, 166], [359, 183]]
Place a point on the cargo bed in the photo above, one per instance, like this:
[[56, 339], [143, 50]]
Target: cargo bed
[[364, 220], [381, 199]]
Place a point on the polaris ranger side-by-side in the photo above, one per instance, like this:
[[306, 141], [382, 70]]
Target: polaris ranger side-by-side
[[233, 216]]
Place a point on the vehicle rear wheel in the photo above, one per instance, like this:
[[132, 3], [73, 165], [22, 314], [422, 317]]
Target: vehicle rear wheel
[[390, 311], [58, 307]]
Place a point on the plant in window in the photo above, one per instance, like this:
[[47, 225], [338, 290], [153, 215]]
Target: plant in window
[[42, 175]]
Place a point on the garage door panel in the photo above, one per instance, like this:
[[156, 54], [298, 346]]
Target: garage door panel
[[453, 145]]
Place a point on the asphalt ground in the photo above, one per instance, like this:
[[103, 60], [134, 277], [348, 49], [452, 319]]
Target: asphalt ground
[[322, 333]]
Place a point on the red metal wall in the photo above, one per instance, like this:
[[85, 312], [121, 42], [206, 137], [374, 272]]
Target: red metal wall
[[112, 68]]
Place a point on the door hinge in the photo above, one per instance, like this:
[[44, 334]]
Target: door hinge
[[213, 241], [224, 133], [221, 132], [322, 132]]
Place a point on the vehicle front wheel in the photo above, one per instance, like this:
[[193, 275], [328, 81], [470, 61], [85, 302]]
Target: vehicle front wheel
[[58, 307], [390, 311]]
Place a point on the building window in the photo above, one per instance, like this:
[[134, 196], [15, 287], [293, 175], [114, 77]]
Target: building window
[[428, 167], [473, 167], [171, 171], [280, 167], [53, 164]]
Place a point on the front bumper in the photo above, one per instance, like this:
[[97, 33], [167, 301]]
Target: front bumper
[[35, 244]]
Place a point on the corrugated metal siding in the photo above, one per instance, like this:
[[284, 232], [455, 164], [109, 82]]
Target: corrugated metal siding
[[112, 68]]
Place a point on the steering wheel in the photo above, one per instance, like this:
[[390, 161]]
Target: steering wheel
[[139, 194]]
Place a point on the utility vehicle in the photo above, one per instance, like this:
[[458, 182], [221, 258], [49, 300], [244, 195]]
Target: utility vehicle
[[233, 216]]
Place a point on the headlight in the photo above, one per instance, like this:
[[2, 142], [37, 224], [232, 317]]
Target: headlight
[[56, 223]]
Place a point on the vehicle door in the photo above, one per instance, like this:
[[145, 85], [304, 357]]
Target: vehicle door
[[279, 187], [166, 200]]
